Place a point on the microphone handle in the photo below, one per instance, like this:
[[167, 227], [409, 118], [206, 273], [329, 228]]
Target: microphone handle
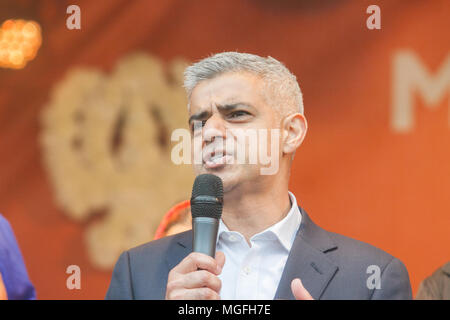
[[205, 235]]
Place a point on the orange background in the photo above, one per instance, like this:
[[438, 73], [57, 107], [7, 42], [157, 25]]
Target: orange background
[[354, 175]]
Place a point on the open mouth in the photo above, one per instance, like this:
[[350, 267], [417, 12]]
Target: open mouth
[[216, 159]]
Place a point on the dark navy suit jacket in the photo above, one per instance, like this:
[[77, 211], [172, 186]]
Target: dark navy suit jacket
[[331, 266]]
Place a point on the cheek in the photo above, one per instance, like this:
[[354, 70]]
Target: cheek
[[196, 144]]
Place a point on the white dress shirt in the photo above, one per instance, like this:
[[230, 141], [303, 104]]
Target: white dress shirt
[[253, 272]]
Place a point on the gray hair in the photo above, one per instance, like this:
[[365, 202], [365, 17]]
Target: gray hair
[[283, 92]]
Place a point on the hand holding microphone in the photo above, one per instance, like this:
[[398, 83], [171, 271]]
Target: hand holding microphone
[[196, 276]]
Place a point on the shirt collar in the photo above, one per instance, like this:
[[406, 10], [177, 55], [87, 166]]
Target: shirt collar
[[284, 230]]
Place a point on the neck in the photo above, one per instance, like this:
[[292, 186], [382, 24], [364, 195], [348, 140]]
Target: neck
[[254, 209]]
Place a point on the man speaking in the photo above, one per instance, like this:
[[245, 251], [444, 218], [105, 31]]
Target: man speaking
[[267, 246]]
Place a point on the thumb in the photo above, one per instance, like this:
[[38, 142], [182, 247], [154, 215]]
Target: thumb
[[220, 257], [299, 291]]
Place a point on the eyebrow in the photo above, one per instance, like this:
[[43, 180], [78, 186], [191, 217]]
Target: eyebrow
[[222, 108], [198, 116]]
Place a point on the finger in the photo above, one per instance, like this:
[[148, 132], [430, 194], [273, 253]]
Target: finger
[[199, 279], [194, 294], [220, 258], [195, 261], [299, 291]]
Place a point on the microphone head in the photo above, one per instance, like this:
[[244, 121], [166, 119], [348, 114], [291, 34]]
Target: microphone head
[[207, 196]]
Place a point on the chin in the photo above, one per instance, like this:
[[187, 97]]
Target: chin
[[228, 175], [241, 176], [231, 175]]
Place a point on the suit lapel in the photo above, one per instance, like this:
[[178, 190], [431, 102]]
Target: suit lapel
[[308, 261], [179, 248]]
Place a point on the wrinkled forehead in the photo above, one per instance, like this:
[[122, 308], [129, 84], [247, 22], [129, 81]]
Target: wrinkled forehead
[[231, 87]]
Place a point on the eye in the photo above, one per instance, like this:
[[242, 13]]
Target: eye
[[193, 127], [238, 114]]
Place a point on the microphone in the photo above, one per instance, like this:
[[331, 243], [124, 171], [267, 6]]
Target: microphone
[[206, 209]]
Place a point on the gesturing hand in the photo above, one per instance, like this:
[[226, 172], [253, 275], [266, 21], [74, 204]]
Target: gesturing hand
[[299, 291]]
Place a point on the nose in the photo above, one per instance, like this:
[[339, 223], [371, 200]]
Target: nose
[[213, 128]]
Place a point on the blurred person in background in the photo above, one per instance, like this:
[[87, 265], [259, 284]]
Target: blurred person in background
[[14, 281], [436, 286], [3, 295], [178, 219]]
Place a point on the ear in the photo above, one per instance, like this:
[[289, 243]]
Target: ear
[[294, 130]]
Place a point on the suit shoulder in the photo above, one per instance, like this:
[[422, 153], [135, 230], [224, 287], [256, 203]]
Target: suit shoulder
[[357, 250], [358, 261]]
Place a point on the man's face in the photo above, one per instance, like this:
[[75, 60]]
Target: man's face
[[226, 106]]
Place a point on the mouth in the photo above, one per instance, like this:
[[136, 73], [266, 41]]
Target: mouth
[[216, 159]]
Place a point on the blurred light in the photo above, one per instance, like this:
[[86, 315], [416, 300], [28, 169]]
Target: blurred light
[[19, 42]]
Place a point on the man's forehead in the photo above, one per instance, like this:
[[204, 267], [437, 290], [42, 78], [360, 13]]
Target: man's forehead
[[225, 89]]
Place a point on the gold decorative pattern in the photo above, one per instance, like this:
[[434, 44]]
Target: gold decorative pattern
[[106, 147]]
